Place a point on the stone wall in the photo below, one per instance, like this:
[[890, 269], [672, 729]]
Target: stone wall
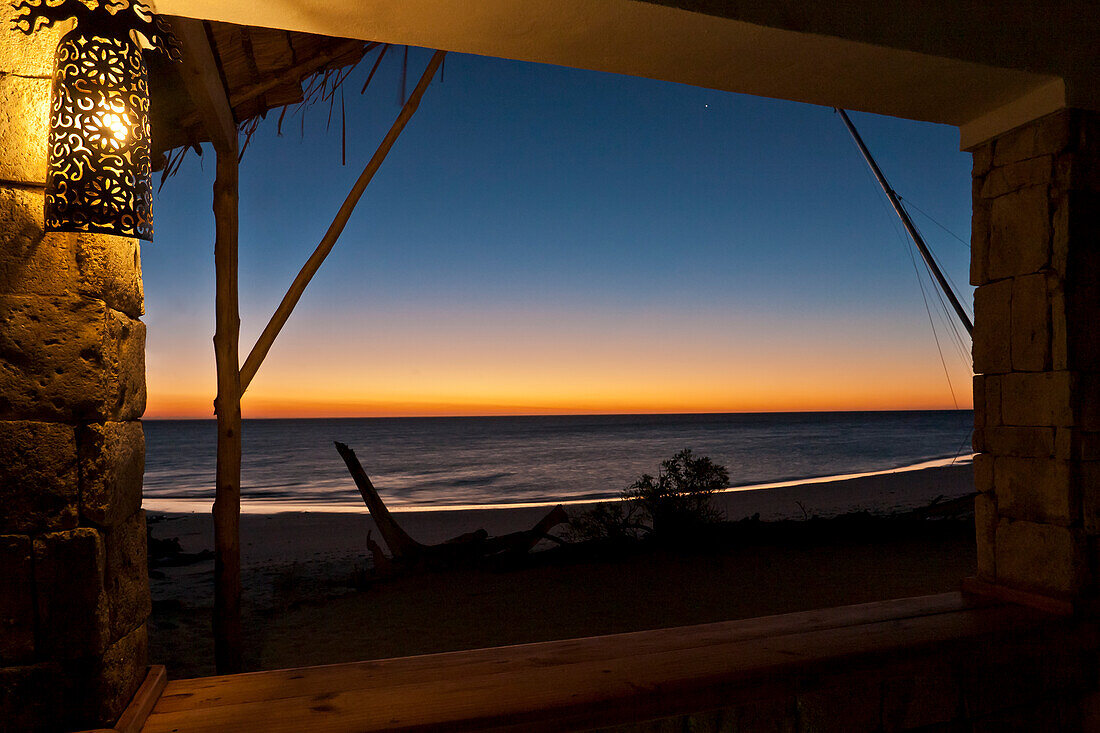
[[1036, 262], [74, 587]]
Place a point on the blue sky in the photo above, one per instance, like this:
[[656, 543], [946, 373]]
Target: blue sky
[[542, 228]]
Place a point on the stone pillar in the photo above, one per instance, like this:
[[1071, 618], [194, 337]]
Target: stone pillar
[[74, 587], [1036, 262]]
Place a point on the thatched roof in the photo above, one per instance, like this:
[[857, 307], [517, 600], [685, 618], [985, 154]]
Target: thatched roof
[[261, 68]]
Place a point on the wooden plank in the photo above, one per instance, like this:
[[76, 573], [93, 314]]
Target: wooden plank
[[1048, 604], [601, 691], [203, 82], [136, 713], [291, 76], [235, 689]]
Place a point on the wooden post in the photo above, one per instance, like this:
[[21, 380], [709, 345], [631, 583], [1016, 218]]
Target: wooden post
[[200, 76], [227, 406], [294, 293]]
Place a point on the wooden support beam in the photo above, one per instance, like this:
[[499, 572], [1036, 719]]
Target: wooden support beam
[[227, 406], [282, 313], [199, 72], [203, 82]]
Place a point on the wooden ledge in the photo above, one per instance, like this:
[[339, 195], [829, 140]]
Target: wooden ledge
[[588, 682], [1059, 606], [134, 716]]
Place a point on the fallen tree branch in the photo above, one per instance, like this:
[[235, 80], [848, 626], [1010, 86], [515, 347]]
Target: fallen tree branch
[[400, 544], [467, 547]]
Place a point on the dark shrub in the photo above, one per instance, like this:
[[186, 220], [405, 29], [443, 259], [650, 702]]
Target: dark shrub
[[609, 521], [678, 499]]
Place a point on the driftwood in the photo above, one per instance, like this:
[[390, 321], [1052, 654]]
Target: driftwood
[[467, 547]]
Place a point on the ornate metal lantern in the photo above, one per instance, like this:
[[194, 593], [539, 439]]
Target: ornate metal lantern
[[99, 174]]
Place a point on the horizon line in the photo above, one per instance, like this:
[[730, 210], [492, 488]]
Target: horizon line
[[571, 414]]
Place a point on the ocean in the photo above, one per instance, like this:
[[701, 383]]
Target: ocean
[[452, 462]]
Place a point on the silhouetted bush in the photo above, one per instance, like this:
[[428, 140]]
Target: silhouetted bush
[[678, 499], [674, 502], [610, 521]]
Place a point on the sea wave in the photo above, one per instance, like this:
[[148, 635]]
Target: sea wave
[[260, 503]]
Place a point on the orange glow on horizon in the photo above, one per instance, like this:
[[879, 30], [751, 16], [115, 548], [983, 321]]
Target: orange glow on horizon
[[266, 404], [441, 364]]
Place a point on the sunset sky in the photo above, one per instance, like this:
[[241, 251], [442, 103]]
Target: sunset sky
[[547, 240]]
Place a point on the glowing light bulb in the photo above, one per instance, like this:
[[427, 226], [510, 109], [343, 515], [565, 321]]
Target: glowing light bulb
[[116, 126]]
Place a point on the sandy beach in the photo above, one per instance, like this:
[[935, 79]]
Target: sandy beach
[[308, 598]]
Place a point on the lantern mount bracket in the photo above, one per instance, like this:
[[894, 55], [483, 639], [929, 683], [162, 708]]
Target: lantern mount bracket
[[117, 17]]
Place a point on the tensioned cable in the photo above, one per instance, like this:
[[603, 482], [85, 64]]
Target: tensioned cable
[[950, 280], [907, 243], [949, 321], [929, 217], [931, 323]]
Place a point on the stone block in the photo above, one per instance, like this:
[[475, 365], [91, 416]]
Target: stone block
[[1056, 713], [767, 716], [1059, 336], [127, 368], [983, 472], [1087, 446], [112, 464], [39, 488], [1020, 233], [1067, 443], [1037, 398], [987, 400], [978, 392], [980, 218], [73, 613], [1048, 136], [985, 530], [1024, 442], [992, 328], [127, 575], [977, 440], [16, 600], [1075, 242], [24, 126], [1089, 472], [117, 676], [981, 160], [33, 262], [28, 55], [836, 708], [1081, 308], [1036, 172], [1088, 401], [110, 269], [1076, 171], [1043, 558], [69, 359], [1010, 673], [1031, 327], [923, 695], [1035, 489], [34, 698]]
